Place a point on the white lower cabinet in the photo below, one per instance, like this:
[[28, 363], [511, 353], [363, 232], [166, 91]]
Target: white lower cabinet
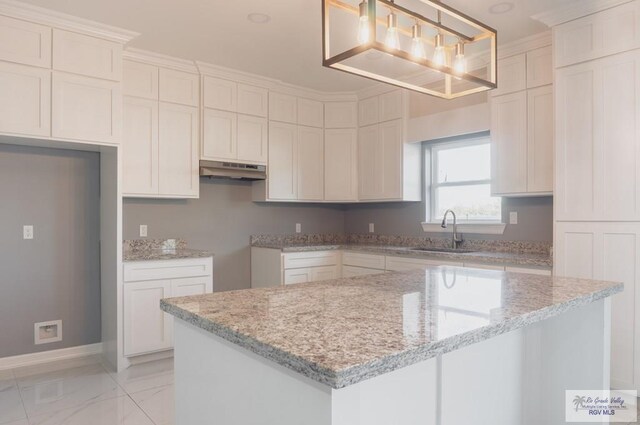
[[147, 329]]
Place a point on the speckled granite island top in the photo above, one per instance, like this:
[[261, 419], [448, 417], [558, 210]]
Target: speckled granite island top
[[159, 249], [343, 331]]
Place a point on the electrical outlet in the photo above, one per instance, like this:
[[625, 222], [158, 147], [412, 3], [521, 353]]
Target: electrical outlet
[[143, 230], [27, 232], [371, 228], [513, 217], [298, 228]]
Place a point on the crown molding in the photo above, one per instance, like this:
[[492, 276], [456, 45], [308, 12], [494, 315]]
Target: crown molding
[[40, 15], [525, 44], [576, 9], [159, 59]]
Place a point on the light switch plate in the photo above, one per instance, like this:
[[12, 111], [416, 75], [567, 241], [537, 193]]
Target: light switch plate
[[27, 232], [298, 228], [143, 231], [371, 228], [513, 217]]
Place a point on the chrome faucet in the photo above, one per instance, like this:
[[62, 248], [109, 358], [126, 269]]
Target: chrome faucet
[[455, 240]]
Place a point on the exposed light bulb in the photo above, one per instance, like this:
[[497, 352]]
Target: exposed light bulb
[[417, 46], [363, 25], [460, 62], [439, 53], [392, 39]]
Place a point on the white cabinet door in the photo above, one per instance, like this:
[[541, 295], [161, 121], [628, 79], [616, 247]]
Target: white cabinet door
[[310, 113], [85, 55], [540, 135], [368, 111], [25, 42], [310, 164], [390, 159], [179, 87], [140, 147], [178, 151], [220, 94], [352, 271], [283, 108], [294, 276], [191, 286], [140, 80], [253, 100], [512, 75], [324, 273], [283, 161], [86, 109], [509, 143], [146, 327], [391, 106], [539, 67], [368, 177], [340, 169], [340, 115], [219, 141], [25, 103], [253, 139]]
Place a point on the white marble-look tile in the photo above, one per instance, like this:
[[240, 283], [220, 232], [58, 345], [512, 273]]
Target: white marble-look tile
[[20, 422], [114, 411], [67, 388], [145, 376], [56, 366], [158, 404], [11, 408]]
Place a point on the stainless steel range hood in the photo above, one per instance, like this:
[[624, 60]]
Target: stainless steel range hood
[[232, 170]]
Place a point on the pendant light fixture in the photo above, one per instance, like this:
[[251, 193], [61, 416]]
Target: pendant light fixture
[[448, 54]]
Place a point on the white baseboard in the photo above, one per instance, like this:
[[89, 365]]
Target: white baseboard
[[50, 356]]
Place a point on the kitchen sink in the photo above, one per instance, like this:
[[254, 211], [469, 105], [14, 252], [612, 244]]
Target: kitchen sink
[[445, 250]]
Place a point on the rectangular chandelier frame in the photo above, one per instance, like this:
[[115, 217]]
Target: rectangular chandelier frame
[[485, 33]]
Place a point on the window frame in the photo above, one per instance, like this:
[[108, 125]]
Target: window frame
[[431, 163]]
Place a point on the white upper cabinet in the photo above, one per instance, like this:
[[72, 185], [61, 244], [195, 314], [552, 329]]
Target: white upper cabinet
[[310, 113], [340, 169], [340, 115], [283, 108], [25, 103], [512, 74], [368, 162], [140, 80], [310, 164], [86, 109], [539, 67], [283, 161], [140, 147], [608, 32], [390, 159], [220, 94], [179, 87], [509, 139], [391, 106], [253, 100], [25, 42], [85, 55], [368, 111], [178, 151], [219, 141], [540, 136], [252, 139]]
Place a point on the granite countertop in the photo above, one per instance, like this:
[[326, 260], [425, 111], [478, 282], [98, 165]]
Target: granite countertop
[[343, 331], [163, 254], [488, 257]]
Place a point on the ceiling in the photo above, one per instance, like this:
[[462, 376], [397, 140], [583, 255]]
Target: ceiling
[[287, 48]]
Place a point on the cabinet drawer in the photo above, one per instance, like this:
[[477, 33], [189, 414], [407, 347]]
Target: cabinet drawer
[[25, 42], [310, 259], [371, 261], [150, 270], [542, 272], [401, 264], [483, 266], [293, 276], [351, 271]]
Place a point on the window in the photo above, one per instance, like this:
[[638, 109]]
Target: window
[[460, 180]]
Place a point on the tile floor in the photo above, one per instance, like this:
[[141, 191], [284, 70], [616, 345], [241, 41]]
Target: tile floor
[[83, 391]]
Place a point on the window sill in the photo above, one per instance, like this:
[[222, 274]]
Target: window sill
[[477, 228]]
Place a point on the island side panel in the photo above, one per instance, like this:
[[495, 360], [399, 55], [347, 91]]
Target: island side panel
[[222, 383]]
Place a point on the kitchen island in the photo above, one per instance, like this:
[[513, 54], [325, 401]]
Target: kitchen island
[[443, 345]]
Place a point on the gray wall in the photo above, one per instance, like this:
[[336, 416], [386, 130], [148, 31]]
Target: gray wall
[[535, 219], [57, 274], [222, 220]]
